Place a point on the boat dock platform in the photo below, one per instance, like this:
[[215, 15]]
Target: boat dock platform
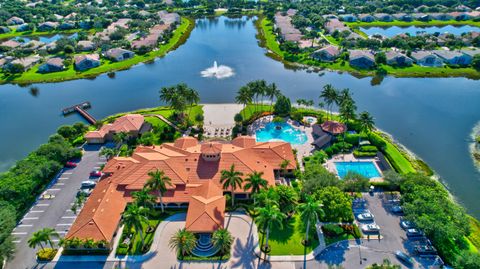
[[80, 109]]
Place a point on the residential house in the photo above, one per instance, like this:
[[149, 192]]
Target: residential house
[[426, 58], [66, 25], [327, 54], [462, 8], [421, 17], [441, 16], [4, 30], [453, 57], [349, 18], [32, 45], [15, 21], [26, 62], [134, 125], [383, 17], [474, 14], [47, 26], [287, 31], [86, 45], [86, 61], [54, 64], [23, 27], [471, 52], [361, 59], [195, 172], [5, 60], [459, 16], [118, 54], [10, 44], [333, 25], [169, 18], [402, 17], [366, 18], [398, 59]]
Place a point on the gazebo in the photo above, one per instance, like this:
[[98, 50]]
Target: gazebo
[[333, 127], [323, 133]]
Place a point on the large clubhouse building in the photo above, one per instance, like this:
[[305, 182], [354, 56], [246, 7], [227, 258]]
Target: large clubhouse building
[[194, 169]]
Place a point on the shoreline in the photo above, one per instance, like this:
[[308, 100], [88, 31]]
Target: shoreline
[[474, 145], [180, 36], [266, 38]]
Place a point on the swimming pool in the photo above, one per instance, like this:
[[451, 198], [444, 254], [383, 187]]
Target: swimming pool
[[281, 131], [366, 169]]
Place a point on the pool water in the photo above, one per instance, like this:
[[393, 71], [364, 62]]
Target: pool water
[[281, 131], [366, 169]]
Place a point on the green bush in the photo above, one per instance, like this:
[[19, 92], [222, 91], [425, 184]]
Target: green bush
[[368, 149], [283, 106], [337, 148], [332, 230], [362, 154], [354, 138], [46, 254], [377, 140]]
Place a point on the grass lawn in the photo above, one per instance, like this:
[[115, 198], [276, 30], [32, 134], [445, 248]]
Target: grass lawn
[[412, 23], [31, 76], [333, 239], [474, 237], [288, 241], [251, 109], [397, 159], [268, 38]]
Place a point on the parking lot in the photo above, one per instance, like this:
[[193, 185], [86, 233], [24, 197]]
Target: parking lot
[[53, 207], [392, 237]]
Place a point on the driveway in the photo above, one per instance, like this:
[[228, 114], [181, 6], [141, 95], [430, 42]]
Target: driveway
[[54, 213]]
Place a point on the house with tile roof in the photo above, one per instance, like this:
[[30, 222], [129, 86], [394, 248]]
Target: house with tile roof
[[361, 58], [454, 57], [327, 54], [398, 59], [86, 61], [119, 54], [15, 21], [426, 58], [132, 124], [195, 171], [54, 64]]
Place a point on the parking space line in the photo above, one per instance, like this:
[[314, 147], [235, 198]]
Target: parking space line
[[69, 210], [63, 178], [64, 224], [19, 233], [16, 241], [36, 211], [100, 162], [55, 189], [69, 217], [43, 205], [30, 218], [61, 232], [60, 184], [25, 225], [67, 173]]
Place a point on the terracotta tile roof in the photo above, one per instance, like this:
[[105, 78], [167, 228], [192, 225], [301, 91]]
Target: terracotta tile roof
[[127, 123], [185, 142], [333, 127], [206, 211], [101, 214]]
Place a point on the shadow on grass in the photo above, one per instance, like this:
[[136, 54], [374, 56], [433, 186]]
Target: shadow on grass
[[283, 235]]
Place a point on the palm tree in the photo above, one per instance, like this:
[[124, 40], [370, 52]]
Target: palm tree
[[222, 239], [344, 96], [37, 239], [134, 217], [310, 211], [48, 233], [120, 137], [144, 198], [329, 95], [254, 183], [267, 217], [191, 96], [183, 241], [231, 179], [166, 94], [244, 97], [158, 182], [367, 123], [271, 91], [108, 152], [283, 165], [267, 197], [347, 111]]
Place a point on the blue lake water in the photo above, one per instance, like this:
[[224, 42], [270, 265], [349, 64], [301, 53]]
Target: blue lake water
[[433, 117], [413, 30], [281, 131], [366, 169], [44, 39]]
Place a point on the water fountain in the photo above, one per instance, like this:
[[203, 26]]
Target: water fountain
[[218, 71]]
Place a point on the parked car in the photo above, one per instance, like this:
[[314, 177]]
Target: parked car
[[425, 250], [88, 184], [70, 165], [85, 192], [405, 224], [414, 233], [404, 257], [365, 216], [370, 228], [96, 173], [397, 209]]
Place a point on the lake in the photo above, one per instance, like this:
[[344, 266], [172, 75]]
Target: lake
[[45, 39], [431, 116], [413, 30]]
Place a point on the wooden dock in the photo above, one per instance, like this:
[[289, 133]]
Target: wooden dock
[[80, 109]]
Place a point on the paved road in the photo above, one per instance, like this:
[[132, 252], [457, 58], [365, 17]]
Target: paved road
[[54, 213]]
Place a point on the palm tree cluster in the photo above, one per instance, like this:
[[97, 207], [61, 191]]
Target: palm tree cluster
[[305, 103], [256, 92], [179, 97], [42, 238], [232, 180]]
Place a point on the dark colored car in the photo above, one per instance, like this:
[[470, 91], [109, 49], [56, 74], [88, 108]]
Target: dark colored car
[[425, 250], [397, 209], [405, 224], [414, 233], [96, 174], [404, 257], [70, 164]]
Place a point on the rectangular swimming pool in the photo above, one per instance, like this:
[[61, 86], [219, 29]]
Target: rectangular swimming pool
[[366, 169]]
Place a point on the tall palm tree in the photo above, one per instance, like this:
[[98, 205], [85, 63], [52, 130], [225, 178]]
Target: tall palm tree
[[191, 96], [254, 183], [222, 239], [166, 94], [135, 217], [120, 137], [108, 152], [144, 198], [344, 96], [329, 95], [271, 91], [231, 179], [37, 239], [367, 123], [310, 211], [267, 217], [158, 182], [183, 241], [267, 197], [48, 233], [244, 97], [347, 111]]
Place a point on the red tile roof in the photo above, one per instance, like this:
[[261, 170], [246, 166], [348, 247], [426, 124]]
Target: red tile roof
[[128, 123], [333, 127]]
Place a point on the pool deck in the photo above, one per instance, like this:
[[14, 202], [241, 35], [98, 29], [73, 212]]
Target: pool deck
[[330, 164], [303, 150]]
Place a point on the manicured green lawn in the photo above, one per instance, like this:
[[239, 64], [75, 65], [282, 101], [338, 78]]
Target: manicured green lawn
[[333, 239], [288, 241], [399, 162], [179, 37], [412, 23], [474, 237], [269, 38]]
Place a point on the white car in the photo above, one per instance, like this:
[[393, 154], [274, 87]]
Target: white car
[[365, 216], [370, 228], [87, 184]]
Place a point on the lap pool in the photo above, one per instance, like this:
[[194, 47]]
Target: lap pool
[[366, 169]]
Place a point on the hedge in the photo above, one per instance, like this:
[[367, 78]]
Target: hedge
[[46, 254], [364, 154]]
